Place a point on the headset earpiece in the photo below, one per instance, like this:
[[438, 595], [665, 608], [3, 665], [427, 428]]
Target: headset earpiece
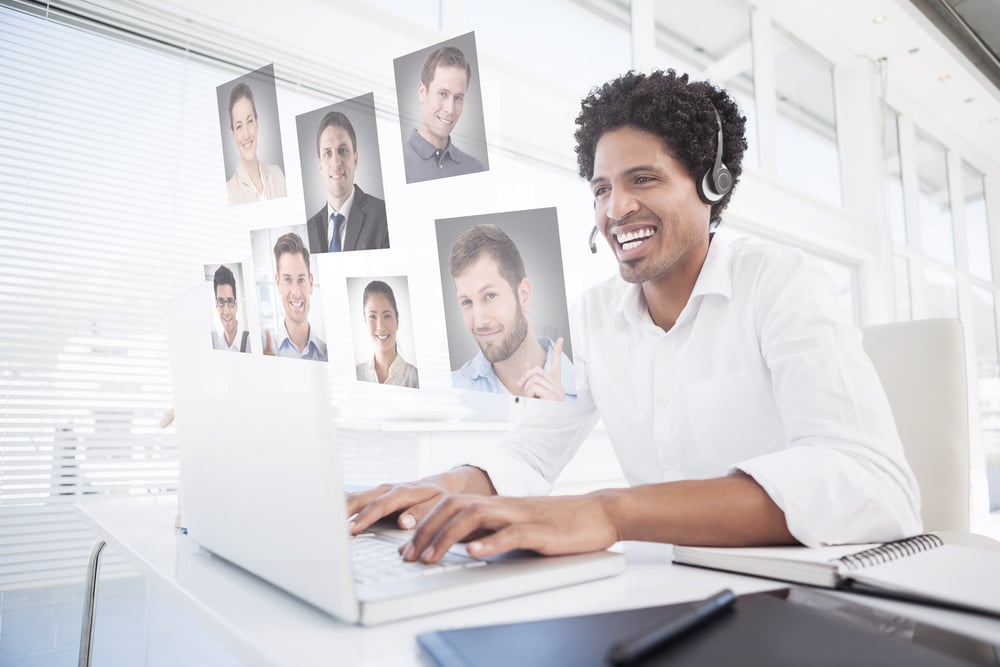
[[717, 181]]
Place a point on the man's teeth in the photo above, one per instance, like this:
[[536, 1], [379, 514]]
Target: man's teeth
[[382, 337], [634, 239]]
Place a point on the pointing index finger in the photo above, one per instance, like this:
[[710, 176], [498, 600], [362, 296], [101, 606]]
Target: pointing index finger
[[557, 351]]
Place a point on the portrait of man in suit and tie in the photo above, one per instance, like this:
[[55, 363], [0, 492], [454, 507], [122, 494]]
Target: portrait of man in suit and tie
[[344, 141]]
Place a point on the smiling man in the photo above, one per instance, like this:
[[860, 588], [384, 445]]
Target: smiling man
[[494, 294], [351, 219], [295, 337], [429, 151], [226, 305], [742, 409]]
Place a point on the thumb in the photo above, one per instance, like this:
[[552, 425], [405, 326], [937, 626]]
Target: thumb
[[267, 343]]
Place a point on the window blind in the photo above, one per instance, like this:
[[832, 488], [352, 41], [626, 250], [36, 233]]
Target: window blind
[[110, 187]]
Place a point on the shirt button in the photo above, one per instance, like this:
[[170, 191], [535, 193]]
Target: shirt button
[[436, 153]]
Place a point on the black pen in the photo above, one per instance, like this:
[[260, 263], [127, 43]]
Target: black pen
[[634, 648]]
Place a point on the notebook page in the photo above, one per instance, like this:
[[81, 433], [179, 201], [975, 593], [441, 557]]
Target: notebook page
[[954, 574]]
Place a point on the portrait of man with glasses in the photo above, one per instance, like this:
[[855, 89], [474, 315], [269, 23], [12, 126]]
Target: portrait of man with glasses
[[230, 337]]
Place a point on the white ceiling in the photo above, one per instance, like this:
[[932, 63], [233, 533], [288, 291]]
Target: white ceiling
[[928, 77]]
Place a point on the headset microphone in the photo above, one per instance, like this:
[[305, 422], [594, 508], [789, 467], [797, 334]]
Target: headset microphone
[[717, 181], [593, 244]]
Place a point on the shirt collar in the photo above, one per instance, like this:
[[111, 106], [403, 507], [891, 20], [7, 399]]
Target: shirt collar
[[286, 338], [715, 277], [345, 210], [479, 368], [426, 149]]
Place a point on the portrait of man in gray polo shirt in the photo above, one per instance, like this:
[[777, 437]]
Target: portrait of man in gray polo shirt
[[430, 150]]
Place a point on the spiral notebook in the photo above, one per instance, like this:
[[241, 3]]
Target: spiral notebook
[[946, 569]]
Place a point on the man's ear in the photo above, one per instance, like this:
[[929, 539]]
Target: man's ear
[[421, 91], [524, 294], [310, 283], [276, 279]]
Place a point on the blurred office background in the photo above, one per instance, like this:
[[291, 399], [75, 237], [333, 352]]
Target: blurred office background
[[874, 132]]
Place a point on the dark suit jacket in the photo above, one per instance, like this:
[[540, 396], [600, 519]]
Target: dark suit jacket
[[366, 228]]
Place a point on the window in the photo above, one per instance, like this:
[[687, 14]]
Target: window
[[904, 304], [808, 155], [113, 187], [988, 380], [977, 229], [936, 231], [941, 294], [711, 40], [553, 30], [893, 184]]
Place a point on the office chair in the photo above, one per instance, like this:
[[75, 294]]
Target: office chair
[[922, 367]]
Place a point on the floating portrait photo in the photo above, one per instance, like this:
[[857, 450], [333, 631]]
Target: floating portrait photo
[[382, 328], [342, 177], [229, 326], [291, 317], [441, 110], [251, 138], [505, 308]]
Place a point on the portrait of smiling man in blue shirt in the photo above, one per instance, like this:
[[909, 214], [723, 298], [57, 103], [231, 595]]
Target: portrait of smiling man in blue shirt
[[494, 294], [295, 336]]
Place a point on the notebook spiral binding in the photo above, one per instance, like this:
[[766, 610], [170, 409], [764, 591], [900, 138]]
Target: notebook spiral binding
[[891, 551]]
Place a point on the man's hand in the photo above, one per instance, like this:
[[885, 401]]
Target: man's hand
[[540, 383], [413, 500], [550, 526]]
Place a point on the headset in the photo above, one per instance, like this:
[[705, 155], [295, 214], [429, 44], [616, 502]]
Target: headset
[[712, 187]]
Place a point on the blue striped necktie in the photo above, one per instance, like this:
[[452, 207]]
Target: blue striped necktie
[[337, 220]]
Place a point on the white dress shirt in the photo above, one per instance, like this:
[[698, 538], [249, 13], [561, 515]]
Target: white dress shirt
[[401, 372], [345, 211], [758, 374]]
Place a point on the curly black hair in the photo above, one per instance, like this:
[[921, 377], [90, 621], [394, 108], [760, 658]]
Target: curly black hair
[[671, 107]]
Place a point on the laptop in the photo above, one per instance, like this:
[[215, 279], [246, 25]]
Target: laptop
[[261, 488]]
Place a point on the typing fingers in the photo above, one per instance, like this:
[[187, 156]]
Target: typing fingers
[[456, 518], [402, 497], [355, 501], [514, 536]]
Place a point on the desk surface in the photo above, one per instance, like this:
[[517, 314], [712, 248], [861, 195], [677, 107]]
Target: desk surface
[[265, 626]]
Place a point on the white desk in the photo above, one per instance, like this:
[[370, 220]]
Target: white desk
[[265, 626]]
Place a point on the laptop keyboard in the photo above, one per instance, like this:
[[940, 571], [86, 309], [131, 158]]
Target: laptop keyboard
[[376, 558]]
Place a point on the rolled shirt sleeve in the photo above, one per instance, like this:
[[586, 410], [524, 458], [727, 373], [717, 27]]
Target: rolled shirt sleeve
[[759, 374]]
